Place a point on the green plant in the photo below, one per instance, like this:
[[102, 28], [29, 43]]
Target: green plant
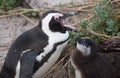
[[60, 5], [72, 2], [85, 33], [9, 4], [73, 37], [31, 14], [103, 22]]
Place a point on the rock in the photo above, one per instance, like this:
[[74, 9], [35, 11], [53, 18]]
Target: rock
[[111, 50], [114, 58], [110, 45], [37, 4]]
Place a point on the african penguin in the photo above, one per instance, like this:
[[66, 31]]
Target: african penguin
[[88, 63], [35, 51]]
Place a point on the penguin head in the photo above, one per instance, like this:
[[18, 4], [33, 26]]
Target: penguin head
[[54, 20], [86, 46]]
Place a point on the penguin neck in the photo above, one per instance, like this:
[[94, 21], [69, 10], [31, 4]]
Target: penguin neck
[[84, 59], [78, 74], [54, 36]]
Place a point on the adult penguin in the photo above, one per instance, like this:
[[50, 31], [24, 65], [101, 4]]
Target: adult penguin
[[88, 63], [34, 52]]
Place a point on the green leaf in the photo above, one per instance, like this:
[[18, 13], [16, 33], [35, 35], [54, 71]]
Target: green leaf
[[73, 37], [9, 4], [34, 14], [103, 21], [83, 24]]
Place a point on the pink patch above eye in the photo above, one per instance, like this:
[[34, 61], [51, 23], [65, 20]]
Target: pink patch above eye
[[58, 15]]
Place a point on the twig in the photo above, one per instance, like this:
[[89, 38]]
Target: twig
[[62, 68], [12, 29], [66, 64], [89, 18], [4, 49], [28, 19], [69, 71], [116, 1], [117, 49], [102, 35], [17, 12], [20, 12], [4, 16], [57, 64]]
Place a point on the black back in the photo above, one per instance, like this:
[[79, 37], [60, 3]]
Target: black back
[[34, 39]]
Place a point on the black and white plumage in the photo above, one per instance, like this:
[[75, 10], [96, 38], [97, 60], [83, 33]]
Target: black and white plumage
[[37, 50], [88, 63]]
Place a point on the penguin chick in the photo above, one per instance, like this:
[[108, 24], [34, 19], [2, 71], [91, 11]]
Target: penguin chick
[[87, 61], [35, 51]]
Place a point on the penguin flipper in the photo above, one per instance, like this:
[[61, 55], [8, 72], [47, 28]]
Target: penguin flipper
[[27, 64]]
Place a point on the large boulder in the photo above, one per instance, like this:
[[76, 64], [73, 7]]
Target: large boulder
[[37, 4]]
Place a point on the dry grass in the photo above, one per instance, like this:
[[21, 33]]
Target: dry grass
[[63, 66]]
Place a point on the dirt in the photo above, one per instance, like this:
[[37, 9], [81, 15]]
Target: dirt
[[12, 27]]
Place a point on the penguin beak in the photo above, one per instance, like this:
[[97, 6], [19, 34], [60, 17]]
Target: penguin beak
[[69, 14], [61, 20]]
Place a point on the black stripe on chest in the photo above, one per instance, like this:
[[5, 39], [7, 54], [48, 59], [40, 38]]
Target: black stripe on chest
[[45, 59]]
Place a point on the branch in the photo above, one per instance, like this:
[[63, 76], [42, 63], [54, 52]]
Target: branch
[[103, 36]]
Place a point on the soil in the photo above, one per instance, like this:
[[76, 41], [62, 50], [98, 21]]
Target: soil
[[12, 27]]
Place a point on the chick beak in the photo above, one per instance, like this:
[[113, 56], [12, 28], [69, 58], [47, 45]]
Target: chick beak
[[83, 42]]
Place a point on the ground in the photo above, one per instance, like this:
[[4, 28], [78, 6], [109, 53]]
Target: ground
[[11, 27]]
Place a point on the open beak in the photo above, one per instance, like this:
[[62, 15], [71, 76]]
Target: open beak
[[61, 20], [69, 14], [66, 15]]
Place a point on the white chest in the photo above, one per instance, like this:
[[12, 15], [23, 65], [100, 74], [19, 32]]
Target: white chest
[[78, 73], [51, 61], [53, 39]]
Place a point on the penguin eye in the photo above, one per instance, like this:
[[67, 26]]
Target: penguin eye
[[86, 44], [56, 19], [57, 16]]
